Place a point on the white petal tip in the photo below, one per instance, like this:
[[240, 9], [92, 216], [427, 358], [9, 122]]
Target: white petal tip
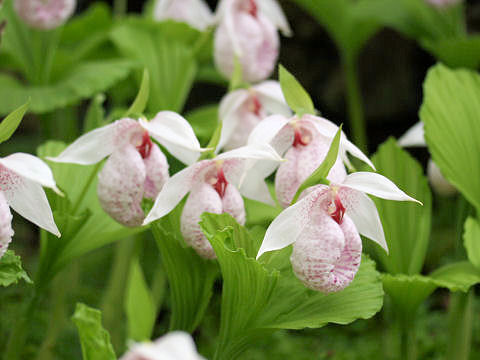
[[58, 191]]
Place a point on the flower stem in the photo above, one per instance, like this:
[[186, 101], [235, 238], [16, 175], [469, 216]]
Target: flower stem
[[408, 341], [460, 320], [354, 102]]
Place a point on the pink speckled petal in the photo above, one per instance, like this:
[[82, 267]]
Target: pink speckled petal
[[156, 167], [121, 186], [274, 13], [6, 231], [326, 256], [176, 188], [232, 203], [289, 224], [274, 130], [202, 198], [287, 180], [44, 14], [27, 198], [196, 13]]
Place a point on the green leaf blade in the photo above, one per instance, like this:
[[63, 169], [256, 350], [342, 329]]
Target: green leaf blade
[[141, 100], [12, 121], [11, 270], [295, 95]]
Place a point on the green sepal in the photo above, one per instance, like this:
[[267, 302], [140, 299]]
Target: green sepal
[[295, 95], [12, 121], [140, 103]]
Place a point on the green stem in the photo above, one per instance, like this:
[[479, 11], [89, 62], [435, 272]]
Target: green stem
[[408, 341], [460, 321], [354, 103]]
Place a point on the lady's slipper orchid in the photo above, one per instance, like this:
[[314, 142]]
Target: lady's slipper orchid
[[21, 179], [136, 167], [215, 186], [415, 137], [177, 345], [241, 110], [195, 13], [305, 142], [248, 32], [325, 225], [45, 14]]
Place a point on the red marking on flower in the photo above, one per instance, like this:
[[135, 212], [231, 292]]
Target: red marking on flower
[[256, 106], [339, 211], [146, 146], [252, 8], [221, 184], [298, 139]]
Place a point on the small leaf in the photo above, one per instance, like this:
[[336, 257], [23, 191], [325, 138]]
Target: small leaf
[[95, 113], [213, 143], [140, 102], [295, 95], [94, 339], [319, 176], [237, 76], [204, 122], [471, 238], [11, 270], [11, 122], [139, 305]]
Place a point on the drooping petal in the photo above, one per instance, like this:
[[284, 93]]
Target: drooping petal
[[156, 167], [28, 199], [287, 226], [254, 187], [274, 13], [175, 133], [363, 212], [414, 136], [175, 189], [271, 97], [273, 130], [229, 114], [253, 151], [30, 167], [121, 186], [377, 185], [196, 13], [439, 184], [6, 231], [202, 198], [91, 147]]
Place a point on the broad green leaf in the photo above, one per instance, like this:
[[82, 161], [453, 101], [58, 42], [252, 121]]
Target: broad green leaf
[[204, 121], [471, 238], [295, 95], [406, 225], [11, 270], [190, 277], [258, 299], [139, 305], [259, 213], [458, 276], [450, 109], [79, 83], [11, 122], [319, 176], [456, 52], [165, 49], [94, 339], [140, 102], [95, 113]]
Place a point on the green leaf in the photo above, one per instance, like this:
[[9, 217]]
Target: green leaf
[[406, 225], [258, 299], [295, 95], [458, 276], [139, 305], [165, 49], [204, 121], [456, 52], [11, 270], [79, 83], [95, 113], [471, 238], [140, 102], [450, 109], [11, 122], [190, 277], [94, 339], [319, 176]]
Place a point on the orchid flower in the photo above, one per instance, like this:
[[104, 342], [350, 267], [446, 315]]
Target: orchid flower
[[443, 3], [305, 143], [414, 137], [21, 178], [324, 227], [195, 13], [248, 32], [177, 345], [45, 14], [241, 110], [136, 167], [215, 186]]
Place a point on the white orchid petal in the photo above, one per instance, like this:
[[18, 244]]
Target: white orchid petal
[[267, 131], [377, 185], [254, 187], [415, 136], [196, 13], [288, 225], [364, 214], [274, 13], [229, 116], [28, 199], [89, 148], [175, 133], [174, 190], [271, 97], [355, 151], [32, 168], [252, 151]]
